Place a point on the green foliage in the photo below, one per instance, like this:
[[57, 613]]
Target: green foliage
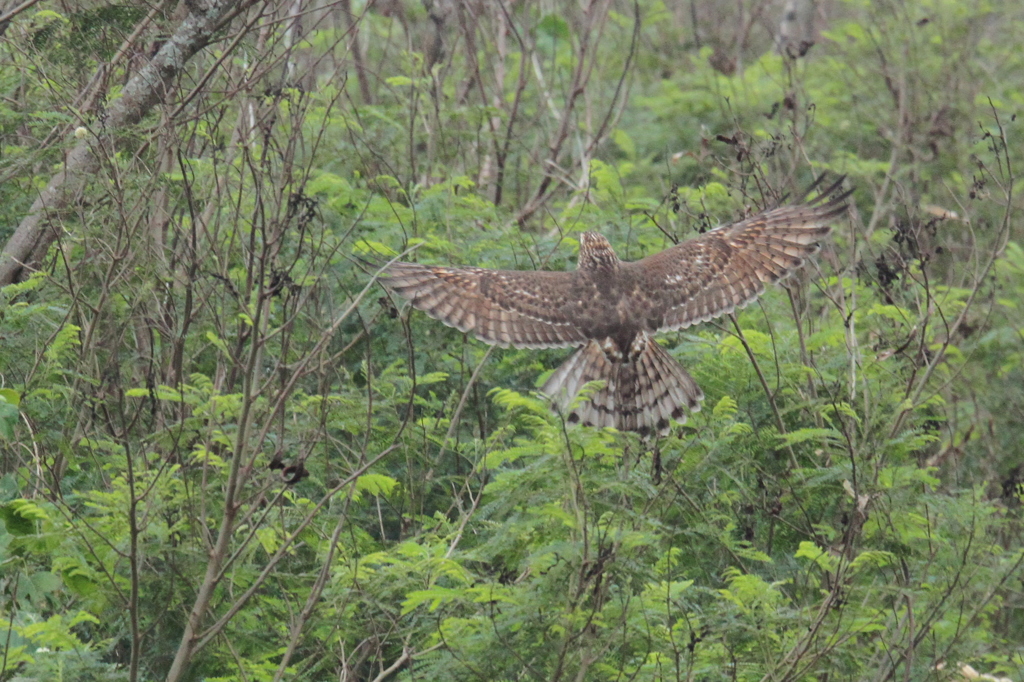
[[224, 444]]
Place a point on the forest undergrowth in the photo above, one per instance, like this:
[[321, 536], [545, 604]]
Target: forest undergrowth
[[229, 454]]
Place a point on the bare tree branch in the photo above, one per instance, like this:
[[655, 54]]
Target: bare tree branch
[[36, 232], [5, 19]]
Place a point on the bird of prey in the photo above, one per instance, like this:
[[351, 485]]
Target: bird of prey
[[610, 309]]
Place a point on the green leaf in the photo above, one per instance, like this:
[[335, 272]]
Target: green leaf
[[366, 247], [377, 485], [809, 550], [802, 435], [21, 516], [725, 408], [554, 26], [218, 343], [269, 539], [625, 143], [161, 392], [873, 558], [431, 378], [435, 596], [63, 343], [9, 417]]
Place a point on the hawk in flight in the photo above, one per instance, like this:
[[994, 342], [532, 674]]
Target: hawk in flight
[[610, 309]]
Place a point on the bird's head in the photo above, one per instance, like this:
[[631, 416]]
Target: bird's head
[[596, 253]]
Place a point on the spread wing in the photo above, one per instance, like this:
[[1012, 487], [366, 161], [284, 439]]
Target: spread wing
[[503, 307], [728, 267]]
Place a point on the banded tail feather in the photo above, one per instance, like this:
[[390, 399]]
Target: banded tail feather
[[643, 391]]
